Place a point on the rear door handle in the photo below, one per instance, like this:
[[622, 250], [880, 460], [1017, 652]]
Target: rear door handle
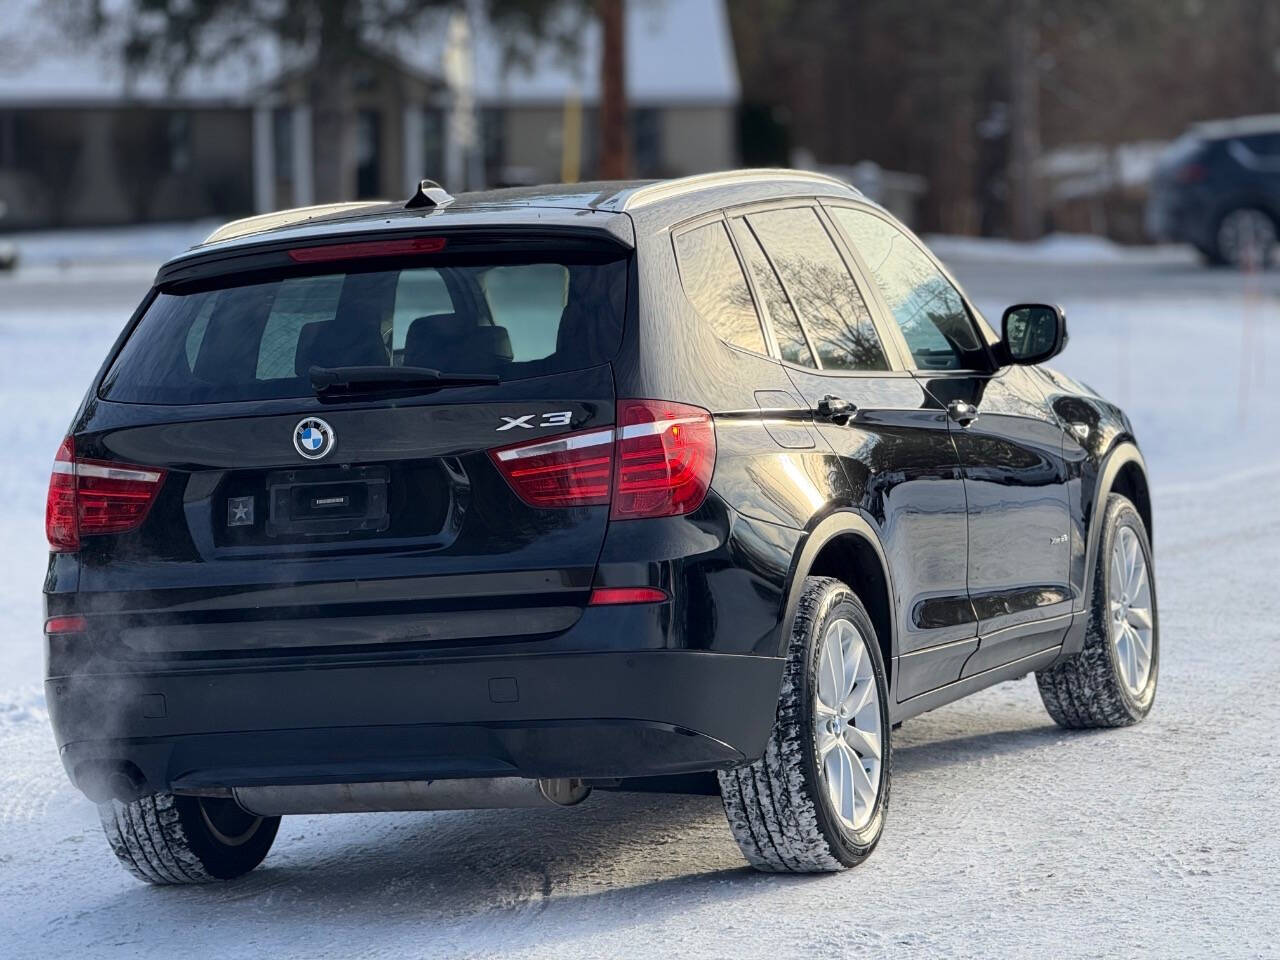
[[836, 409], [962, 412]]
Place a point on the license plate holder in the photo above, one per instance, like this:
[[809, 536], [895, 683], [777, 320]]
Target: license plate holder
[[328, 502]]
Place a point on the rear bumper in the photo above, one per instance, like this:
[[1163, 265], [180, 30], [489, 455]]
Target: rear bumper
[[589, 715]]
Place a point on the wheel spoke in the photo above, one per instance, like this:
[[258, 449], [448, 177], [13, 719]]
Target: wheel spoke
[[1140, 618], [826, 740], [1122, 651], [862, 785], [1117, 575], [852, 655], [859, 697], [830, 674], [1134, 675], [1138, 581], [865, 743], [847, 806]]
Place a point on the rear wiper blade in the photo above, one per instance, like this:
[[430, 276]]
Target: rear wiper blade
[[326, 379]]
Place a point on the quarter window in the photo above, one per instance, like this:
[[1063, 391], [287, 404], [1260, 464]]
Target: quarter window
[[930, 311], [713, 281], [792, 345], [821, 288]]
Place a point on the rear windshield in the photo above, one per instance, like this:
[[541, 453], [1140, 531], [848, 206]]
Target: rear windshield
[[257, 341]]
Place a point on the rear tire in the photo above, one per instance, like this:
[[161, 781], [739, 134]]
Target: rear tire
[[783, 808], [1245, 237], [1094, 688], [164, 839]]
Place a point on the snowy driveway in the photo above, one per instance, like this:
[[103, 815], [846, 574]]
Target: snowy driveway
[[1006, 836]]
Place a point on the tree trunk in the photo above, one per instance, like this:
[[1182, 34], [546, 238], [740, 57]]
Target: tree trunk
[[1026, 206], [615, 162], [332, 110]]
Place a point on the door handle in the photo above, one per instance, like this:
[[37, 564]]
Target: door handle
[[962, 412], [836, 409]]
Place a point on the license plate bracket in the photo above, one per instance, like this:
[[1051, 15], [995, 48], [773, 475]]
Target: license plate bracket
[[328, 502]]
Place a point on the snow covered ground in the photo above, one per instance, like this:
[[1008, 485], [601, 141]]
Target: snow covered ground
[[1007, 836]]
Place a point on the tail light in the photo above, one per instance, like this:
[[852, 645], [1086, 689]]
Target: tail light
[[657, 462], [1191, 173], [570, 471], [666, 452], [90, 497]]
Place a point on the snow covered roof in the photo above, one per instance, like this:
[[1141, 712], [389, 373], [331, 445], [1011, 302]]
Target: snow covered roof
[[42, 63], [1237, 126], [677, 51]]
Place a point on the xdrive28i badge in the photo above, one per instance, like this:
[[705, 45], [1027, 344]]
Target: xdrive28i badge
[[313, 438]]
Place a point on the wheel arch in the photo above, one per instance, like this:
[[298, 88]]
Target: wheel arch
[[1122, 470], [847, 546]]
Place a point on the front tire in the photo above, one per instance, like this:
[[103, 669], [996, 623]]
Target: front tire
[[816, 801], [1111, 682], [166, 839]]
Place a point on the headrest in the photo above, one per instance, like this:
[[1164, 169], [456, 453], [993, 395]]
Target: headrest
[[331, 343], [444, 341], [302, 357]]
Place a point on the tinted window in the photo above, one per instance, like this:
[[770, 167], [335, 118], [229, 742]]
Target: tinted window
[[786, 328], [714, 283], [927, 308], [1263, 144], [821, 288], [259, 340]]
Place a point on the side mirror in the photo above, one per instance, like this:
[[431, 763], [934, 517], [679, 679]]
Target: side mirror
[[1032, 333]]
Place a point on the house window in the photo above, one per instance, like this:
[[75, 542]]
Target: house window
[[368, 154], [646, 142], [433, 144], [282, 143], [493, 136], [178, 134], [8, 140]]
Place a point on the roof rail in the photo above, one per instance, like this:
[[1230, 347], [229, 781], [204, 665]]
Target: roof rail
[[667, 189], [282, 218]]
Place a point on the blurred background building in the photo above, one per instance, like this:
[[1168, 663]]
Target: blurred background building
[[988, 117], [86, 141]]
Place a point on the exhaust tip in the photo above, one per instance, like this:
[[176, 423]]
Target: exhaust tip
[[564, 792], [105, 780]]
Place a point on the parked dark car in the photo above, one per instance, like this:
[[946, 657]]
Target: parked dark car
[[703, 484], [1218, 188]]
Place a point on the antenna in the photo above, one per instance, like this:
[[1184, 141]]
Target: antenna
[[429, 194]]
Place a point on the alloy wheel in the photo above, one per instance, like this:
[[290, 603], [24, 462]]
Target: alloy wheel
[[1246, 238], [847, 724], [1130, 620]]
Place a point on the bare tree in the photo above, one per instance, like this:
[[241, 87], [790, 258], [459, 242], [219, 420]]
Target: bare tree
[[614, 154], [1026, 209], [175, 36]]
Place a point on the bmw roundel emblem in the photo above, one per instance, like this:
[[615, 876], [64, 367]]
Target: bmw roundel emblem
[[313, 438]]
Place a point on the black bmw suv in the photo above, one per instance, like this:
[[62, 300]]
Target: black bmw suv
[[495, 500]]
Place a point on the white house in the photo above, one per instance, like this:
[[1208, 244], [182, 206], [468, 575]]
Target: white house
[[83, 143]]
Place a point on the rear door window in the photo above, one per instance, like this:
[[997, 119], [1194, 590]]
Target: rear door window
[[821, 288], [255, 341], [792, 345], [714, 283]]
